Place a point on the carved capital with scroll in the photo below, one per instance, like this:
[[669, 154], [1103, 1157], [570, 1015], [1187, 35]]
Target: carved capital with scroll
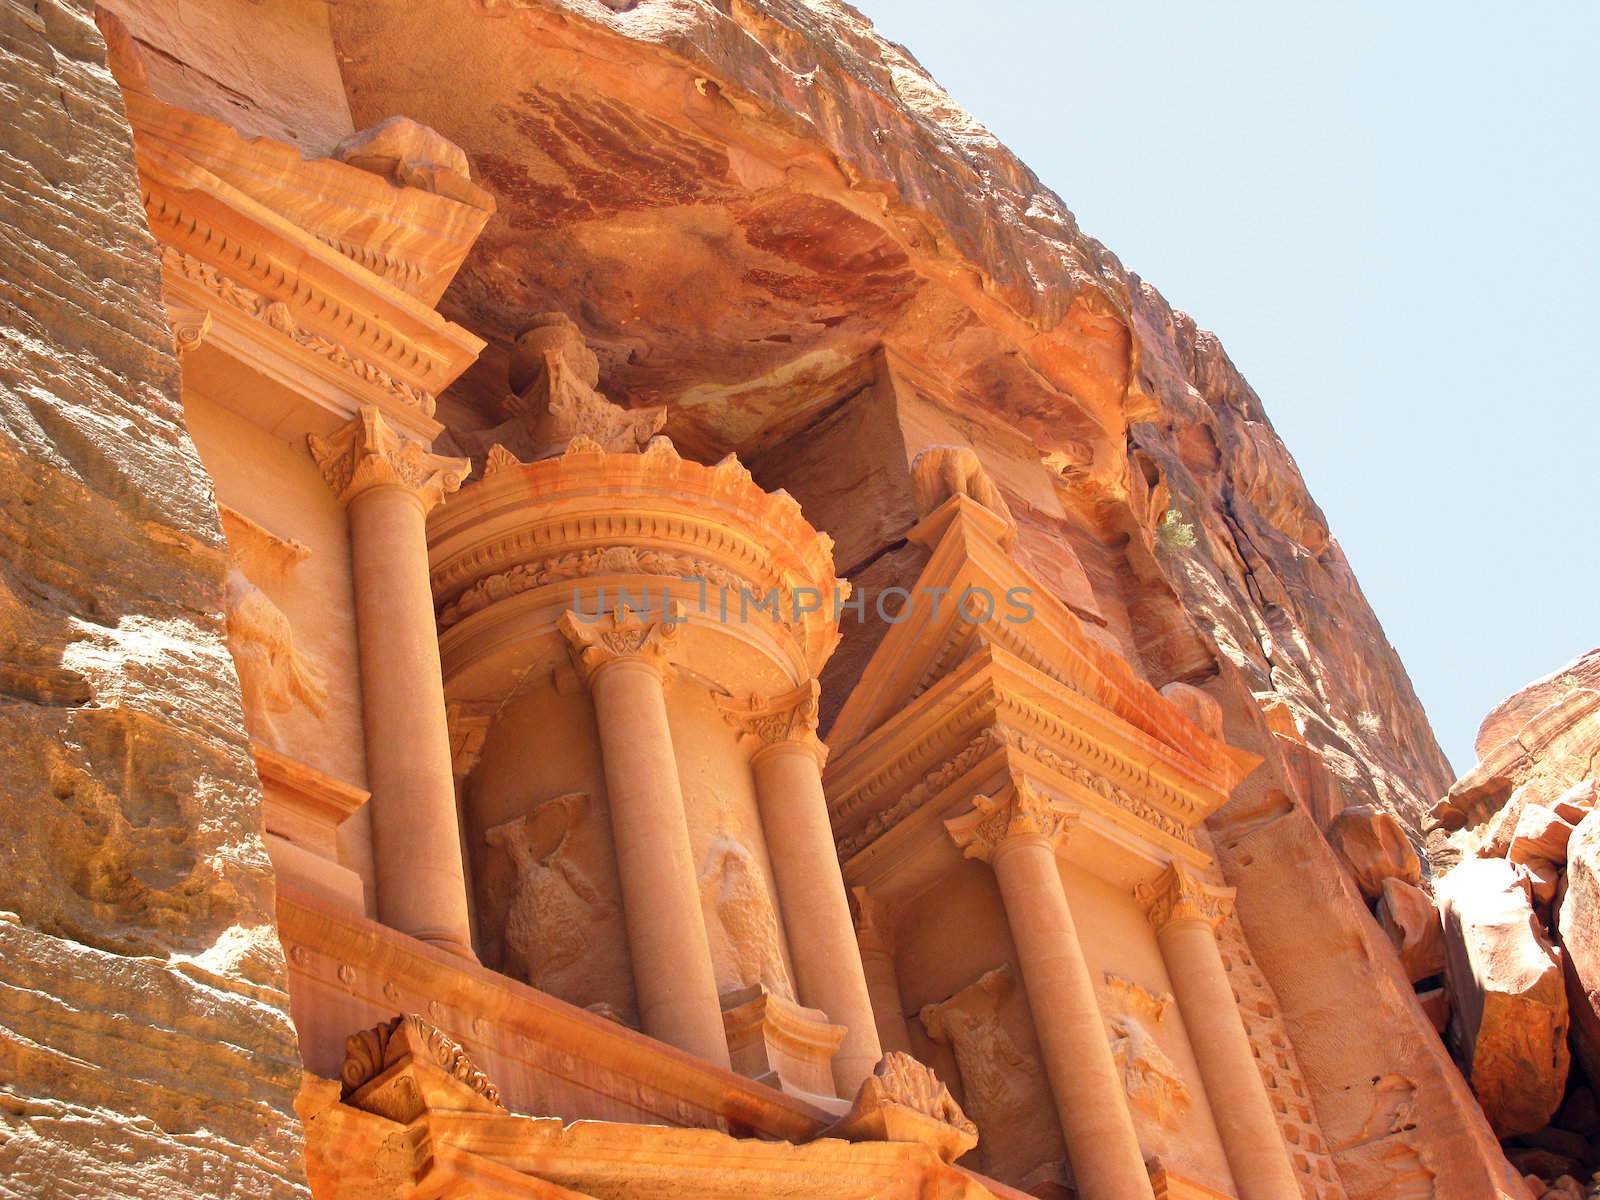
[[624, 635], [786, 719], [1017, 812], [1180, 895], [367, 453]]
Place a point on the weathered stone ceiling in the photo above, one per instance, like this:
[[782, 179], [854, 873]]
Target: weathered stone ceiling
[[735, 209]]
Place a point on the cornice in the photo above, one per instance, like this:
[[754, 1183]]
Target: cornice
[[982, 710]]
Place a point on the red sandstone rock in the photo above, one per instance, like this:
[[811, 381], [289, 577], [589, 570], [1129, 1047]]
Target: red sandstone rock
[[1408, 916], [1540, 833], [1509, 1019], [1372, 845], [1579, 925]]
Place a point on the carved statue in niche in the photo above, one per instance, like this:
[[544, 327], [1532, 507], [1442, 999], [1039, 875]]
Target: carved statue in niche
[[939, 472], [562, 935], [1149, 1077], [553, 397], [1005, 1091], [743, 929], [274, 675]]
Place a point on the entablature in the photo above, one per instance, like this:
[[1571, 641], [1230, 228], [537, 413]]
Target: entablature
[[313, 313]]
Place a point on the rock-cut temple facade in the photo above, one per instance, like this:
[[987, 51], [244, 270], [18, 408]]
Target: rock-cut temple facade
[[608, 599]]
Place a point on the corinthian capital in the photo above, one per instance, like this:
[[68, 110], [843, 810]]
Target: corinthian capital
[[624, 634], [1180, 895], [1018, 811], [368, 453], [789, 718]]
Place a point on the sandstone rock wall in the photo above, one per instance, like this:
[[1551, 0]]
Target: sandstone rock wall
[[145, 1046]]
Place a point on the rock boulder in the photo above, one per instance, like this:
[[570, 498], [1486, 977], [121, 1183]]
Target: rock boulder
[[1579, 926], [1373, 847], [1509, 1004]]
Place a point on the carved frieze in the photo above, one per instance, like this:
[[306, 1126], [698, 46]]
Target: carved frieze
[[278, 316], [367, 452], [599, 561]]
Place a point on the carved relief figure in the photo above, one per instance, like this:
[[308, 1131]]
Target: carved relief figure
[[562, 934], [553, 378], [1004, 1089], [740, 922], [273, 674], [939, 472], [1149, 1077]]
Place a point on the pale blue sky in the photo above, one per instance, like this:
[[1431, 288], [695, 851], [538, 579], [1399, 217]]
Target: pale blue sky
[[1388, 213]]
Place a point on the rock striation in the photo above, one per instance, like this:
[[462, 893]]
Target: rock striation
[[145, 1042]]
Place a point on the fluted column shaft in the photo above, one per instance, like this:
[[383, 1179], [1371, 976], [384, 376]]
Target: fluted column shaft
[[1018, 836], [389, 484], [816, 913], [1185, 912], [672, 969]]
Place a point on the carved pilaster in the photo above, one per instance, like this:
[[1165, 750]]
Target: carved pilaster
[[1017, 812], [625, 634], [874, 925], [368, 453], [1180, 895], [787, 718], [469, 722]]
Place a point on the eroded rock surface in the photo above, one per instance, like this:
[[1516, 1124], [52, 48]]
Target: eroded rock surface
[[1509, 1021], [145, 1046]]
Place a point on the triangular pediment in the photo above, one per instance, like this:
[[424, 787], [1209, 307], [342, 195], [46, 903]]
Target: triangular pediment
[[936, 634]]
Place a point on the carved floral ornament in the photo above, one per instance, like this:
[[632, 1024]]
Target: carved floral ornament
[[1180, 895], [789, 718], [370, 1053], [1019, 811], [597, 641], [368, 453]]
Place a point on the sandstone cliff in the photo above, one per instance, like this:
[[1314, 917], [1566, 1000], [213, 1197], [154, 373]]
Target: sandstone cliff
[[739, 202], [145, 1046]]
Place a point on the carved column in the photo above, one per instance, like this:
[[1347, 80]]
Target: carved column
[[787, 762], [1017, 834], [875, 939], [1186, 912], [389, 484], [624, 660]]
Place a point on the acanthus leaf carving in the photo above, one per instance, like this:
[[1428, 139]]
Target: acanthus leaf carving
[[367, 452], [406, 1038], [1181, 895], [596, 641], [1020, 811], [787, 718]]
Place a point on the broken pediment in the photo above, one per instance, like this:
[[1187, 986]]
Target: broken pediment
[[973, 594]]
